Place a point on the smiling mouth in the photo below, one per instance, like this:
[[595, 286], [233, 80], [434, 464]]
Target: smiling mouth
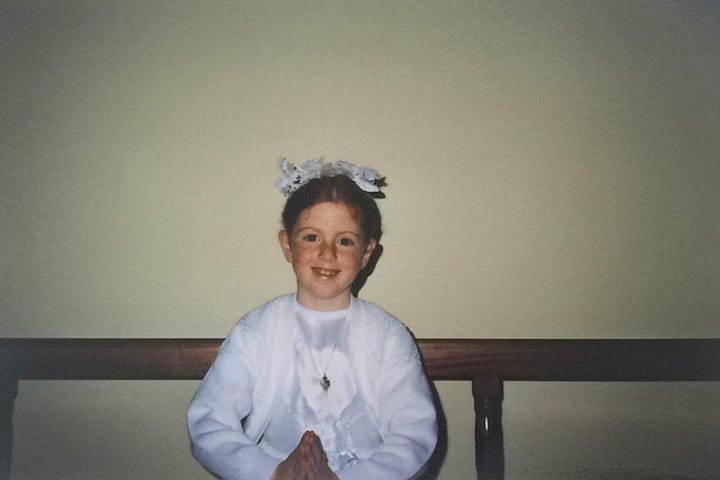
[[325, 273]]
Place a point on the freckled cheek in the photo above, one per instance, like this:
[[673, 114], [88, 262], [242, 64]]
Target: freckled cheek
[[306, 250], [351, 258]]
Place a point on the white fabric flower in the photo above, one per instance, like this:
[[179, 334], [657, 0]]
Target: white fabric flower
[[293, 176]]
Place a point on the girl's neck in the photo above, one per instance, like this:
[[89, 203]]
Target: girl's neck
[[334, 305]]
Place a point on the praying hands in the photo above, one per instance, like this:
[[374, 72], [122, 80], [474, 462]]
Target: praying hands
[[307, 462]]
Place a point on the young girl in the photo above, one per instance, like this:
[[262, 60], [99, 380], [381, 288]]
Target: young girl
[[318, 385]]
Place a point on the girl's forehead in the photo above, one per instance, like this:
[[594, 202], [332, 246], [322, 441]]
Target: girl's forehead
[[330, 214]]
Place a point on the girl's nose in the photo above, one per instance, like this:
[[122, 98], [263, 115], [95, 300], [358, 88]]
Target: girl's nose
[[328, 251]]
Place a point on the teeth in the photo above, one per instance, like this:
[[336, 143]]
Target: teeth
[[325, 273]]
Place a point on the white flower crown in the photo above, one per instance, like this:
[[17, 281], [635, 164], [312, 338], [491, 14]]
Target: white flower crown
[[294, 176]]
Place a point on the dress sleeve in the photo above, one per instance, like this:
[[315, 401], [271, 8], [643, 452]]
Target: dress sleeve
[[223, 400], [406, 413]]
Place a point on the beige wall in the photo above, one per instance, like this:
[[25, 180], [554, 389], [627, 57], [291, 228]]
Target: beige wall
[[552, 166]]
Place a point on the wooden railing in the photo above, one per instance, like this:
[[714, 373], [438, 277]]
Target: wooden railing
[[485, 363]]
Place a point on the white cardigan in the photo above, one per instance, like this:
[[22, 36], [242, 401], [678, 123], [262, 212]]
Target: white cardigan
[[233, 405]]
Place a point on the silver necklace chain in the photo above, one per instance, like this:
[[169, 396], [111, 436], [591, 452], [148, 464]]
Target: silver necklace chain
[[325, 381]]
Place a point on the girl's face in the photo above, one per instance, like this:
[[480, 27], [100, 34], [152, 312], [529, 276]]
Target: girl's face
[[327, 250]]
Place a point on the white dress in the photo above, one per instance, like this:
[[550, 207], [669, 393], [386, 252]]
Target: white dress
[[376, 420], [338, 414]]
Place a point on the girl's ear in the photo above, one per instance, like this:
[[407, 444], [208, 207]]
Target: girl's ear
[[368, 252], [284, 240]]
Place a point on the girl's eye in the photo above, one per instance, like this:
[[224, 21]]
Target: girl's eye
[[346, 242], [311, 237]]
